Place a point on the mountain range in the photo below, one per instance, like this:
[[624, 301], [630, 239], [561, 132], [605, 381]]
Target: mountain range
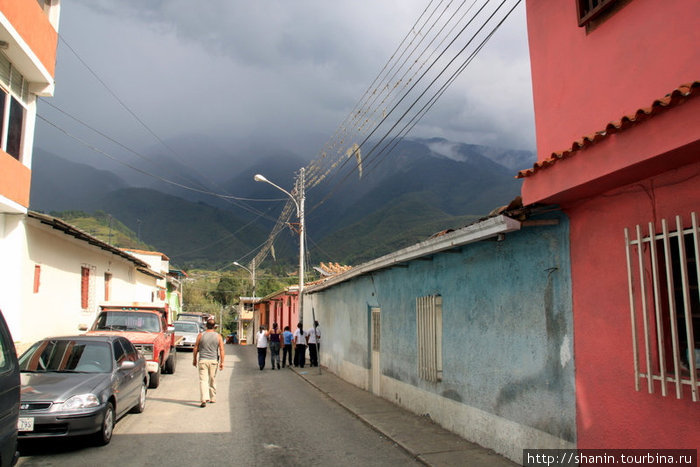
[[421, 187]]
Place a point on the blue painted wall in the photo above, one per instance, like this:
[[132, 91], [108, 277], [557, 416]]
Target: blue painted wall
[[507, 325]]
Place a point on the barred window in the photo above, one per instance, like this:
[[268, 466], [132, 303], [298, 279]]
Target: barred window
[[429, 330], [663, 270]]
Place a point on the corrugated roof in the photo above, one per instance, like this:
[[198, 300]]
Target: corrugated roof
[[678, 95]]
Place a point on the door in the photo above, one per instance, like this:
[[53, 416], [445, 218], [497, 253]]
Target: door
[[375, 339]]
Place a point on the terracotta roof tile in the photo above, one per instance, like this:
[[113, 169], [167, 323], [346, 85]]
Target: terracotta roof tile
[[680, 94]]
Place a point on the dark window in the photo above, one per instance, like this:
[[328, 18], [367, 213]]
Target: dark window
[[131, 353], [3, 99], [119, 353], [14, 128], [588, 10]]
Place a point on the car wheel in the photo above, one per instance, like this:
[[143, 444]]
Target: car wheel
[[170, 363], [104, 436], [154, 380], [141, 405]]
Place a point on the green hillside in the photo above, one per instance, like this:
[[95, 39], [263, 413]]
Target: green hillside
[[103, 227], [386, 230]]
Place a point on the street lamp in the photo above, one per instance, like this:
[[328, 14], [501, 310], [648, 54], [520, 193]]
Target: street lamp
[[252, 273], [299, 203]]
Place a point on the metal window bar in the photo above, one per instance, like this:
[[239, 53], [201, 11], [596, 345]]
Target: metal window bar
[[644, 244], [588, 10], [429, 331]]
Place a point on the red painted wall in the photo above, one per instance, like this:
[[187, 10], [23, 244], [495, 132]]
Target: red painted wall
[[610, 412], [583, 80]]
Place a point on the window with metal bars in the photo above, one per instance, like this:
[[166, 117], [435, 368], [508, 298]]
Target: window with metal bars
[[588, 10], [664, 294], [429, 330]]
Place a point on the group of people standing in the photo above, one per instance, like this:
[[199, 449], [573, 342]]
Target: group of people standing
[[287, 341]]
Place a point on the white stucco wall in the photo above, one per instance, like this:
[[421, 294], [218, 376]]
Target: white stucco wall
[[56, 308]]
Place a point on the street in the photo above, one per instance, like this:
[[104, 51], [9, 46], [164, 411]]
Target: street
[[261, 418]]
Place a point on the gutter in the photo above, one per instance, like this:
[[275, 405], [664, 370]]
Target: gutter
[[482, 230]]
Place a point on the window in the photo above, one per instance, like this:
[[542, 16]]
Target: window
[[37, 277], [376, 330], [14, 96], [429, 330], [84, 287], [108, 285], [663, 270], [119, 353], [588, 10]]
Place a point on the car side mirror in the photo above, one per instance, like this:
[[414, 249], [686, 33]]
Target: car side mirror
[[82, 327], [127, 365]]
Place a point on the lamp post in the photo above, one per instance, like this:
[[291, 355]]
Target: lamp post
[[252, 273], [299, 203]]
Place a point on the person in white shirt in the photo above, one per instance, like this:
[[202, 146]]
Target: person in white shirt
[[299, 347], [262, 347], [312, 339]]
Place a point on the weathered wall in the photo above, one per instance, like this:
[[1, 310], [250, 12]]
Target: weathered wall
[[508, 373]]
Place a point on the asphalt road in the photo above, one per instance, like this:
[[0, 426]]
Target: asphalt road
[[261, 418]]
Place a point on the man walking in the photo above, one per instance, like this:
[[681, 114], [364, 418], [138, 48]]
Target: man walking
[[210, 349]]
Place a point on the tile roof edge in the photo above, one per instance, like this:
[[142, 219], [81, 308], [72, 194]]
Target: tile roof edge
[[681, 93]]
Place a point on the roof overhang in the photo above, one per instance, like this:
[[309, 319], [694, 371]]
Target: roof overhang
[[476, 232], [68, 229]]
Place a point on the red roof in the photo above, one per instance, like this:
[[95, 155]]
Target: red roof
[[678, 95]]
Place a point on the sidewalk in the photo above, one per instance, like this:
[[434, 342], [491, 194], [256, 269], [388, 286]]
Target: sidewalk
[[419, 436]]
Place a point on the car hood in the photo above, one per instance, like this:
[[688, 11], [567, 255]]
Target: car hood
[[134, 336], [58, 387]]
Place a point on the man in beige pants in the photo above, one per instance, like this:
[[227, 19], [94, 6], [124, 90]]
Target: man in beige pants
[[210, 348]]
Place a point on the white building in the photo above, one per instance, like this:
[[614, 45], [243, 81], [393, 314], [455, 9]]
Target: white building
[[66, 274]]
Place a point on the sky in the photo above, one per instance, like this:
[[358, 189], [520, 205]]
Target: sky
[[282, 73]]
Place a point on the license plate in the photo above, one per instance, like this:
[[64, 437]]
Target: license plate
[[25, 424]]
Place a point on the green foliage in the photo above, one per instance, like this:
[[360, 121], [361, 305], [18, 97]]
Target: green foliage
[[104, 227]]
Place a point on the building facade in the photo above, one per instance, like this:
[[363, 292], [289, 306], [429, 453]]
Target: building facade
[[69, 275], [28, 41], [473, 328], [618, 135]]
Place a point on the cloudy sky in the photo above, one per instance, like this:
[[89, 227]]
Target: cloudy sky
[[279, 72]]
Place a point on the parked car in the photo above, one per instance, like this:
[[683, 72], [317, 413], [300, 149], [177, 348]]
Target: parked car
[[200, 318], [186, 333], [146, 326], [9, 396], [80, 385]]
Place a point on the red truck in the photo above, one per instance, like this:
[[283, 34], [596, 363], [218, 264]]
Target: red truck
[[148, 327]]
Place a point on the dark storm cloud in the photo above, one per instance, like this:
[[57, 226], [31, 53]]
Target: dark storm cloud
[[287, 72]]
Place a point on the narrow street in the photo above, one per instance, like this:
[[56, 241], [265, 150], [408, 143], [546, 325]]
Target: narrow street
[[261, 418]]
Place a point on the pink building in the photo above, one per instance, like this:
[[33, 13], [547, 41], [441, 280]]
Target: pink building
[[618, 136]]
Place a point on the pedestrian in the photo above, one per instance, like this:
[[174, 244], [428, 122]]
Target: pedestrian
[[312, 341], [209, 347], [275, 340], [287, 338], [262, 347], [299, 346]]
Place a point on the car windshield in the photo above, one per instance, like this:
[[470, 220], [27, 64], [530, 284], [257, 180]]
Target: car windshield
[[127, 321], [186, 327], [67, 356]]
